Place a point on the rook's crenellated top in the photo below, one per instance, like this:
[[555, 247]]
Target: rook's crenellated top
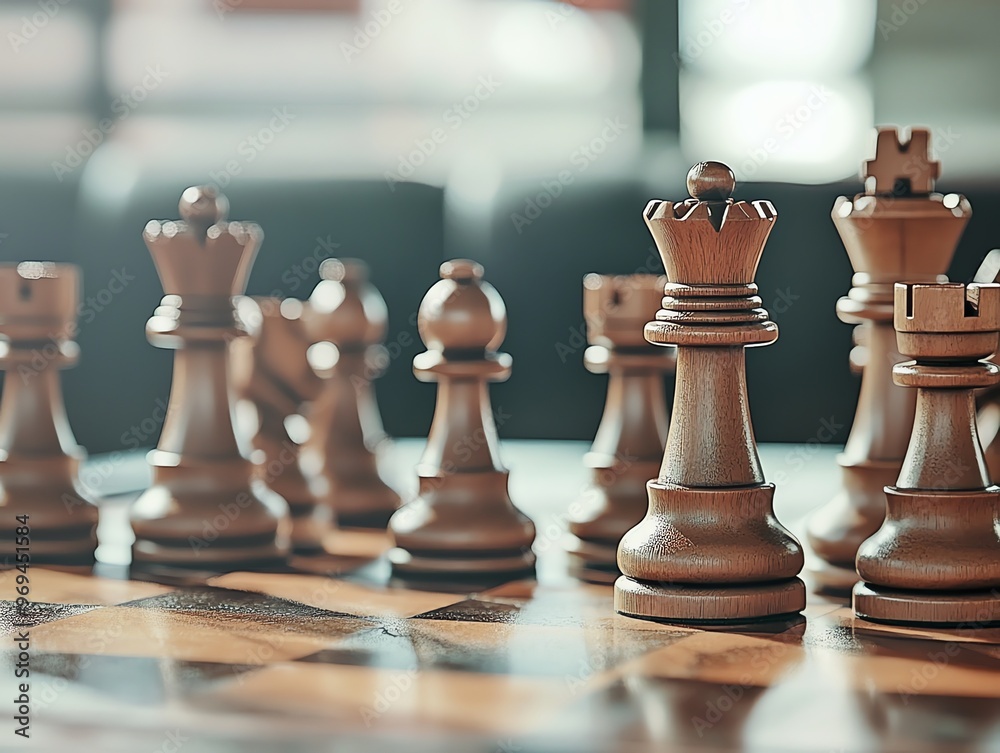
[[617, 306], [40, 301], [946, 322]]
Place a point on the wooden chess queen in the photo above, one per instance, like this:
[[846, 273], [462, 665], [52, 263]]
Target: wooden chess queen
[[936, 557], [710, 548], [40, 491], [205, 509]]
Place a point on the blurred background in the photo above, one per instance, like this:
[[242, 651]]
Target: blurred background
[[526, 134]]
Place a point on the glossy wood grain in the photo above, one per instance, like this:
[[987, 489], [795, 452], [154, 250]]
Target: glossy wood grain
[[897, 230]]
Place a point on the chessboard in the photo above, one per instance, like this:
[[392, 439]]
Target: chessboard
[[333, 655]]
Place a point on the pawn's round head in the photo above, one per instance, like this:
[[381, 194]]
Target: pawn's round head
[[711, 181], [462, 312], [345, 308], [346, 271], [203, 206]]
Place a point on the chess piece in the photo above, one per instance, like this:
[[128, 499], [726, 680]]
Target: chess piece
[[628, 447], [897, 230], [462, 523], [46, 515], [710, 548], [345, 427], [936, 557], [988, 417], [205, 510], [271, 372]]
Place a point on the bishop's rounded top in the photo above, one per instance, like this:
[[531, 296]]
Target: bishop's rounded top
[[345, 308], [462, 312], [203, 206], [711, 181], [344, 270]]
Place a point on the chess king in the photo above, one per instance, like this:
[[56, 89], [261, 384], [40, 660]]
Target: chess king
[[899, 229], [205, 509], [710, 548]]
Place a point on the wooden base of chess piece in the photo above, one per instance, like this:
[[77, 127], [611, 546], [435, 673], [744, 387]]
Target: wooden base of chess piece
[[710, 548], [271, 371], [345, 426], [628, 448], [936, 558], [46, 517], [462, 524], [205, 509], [897, 230]]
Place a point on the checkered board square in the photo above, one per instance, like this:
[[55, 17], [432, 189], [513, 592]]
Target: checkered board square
[[295, 661]]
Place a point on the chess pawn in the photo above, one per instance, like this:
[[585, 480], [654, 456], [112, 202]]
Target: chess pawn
[[628, 447], [345, 426], [205, 509], [462, 524], [897, 230], [44, 509], [710, 548], [936, 557], [271, 372]]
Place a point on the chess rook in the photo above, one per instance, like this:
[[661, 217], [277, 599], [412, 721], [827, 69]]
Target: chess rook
[[205, 509], [462, 524], [935, 557], [628, 447], [271, 372], [39, 459], [710, 548], [897, 230], [348, 314]]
